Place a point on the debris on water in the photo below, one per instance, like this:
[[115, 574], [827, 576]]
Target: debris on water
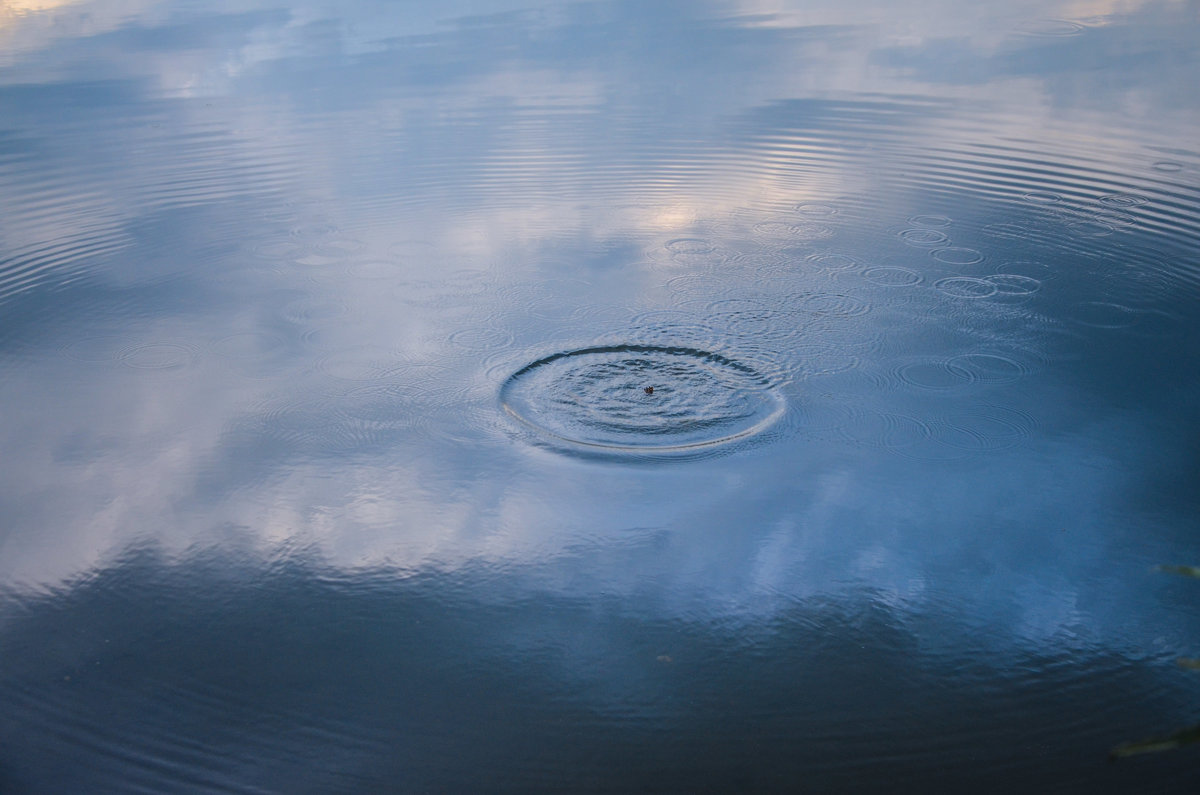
[[649, 390], [1186, 571], [1167, 742]]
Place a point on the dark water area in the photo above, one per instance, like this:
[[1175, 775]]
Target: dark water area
[[598, 397]]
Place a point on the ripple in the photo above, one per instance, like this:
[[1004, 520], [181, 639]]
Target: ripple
[[1042, 197], [1123, 200], [966, 287], [281, 250], [984, 428], [759, 324], [816, 362], [794, 230], [596, 400], [885, 430], [1014, 284], [1007, 231], [708, 259], [1117, 219], [958, 255], [248, 346], [833, 261], [375, 269], [314, 230], [1051, 28], [930, 221], [835, 304], [923, 237], [158, 356], [1139, 283], [377, 409], [313, 309], [825, 417], [1167, 166], [671, 334], [660, 317], [690, 245], [481, 338], [339, 247], [989, 367], [735, 305], [1090, 229], [1038, 271], [934, 374], [361, 363], [816, 209], [1103, 314], [892, 276], [457, 290], [288, 424], [693, 283]]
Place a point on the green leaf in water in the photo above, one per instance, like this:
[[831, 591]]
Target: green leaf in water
[[1186, 571], [1190, 663], [1152, 745]]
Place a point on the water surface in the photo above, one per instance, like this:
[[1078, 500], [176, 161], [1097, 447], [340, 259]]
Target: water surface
[[708, 396]]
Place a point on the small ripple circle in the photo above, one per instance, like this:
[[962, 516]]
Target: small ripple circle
[[958, 255], [923, 237], [892, 276]]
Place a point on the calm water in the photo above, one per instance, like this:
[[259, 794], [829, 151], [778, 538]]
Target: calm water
[[598, 397]]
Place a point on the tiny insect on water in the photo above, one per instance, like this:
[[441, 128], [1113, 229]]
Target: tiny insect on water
[[649, 390]]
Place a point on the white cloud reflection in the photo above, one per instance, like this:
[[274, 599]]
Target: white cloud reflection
[[380, 128]]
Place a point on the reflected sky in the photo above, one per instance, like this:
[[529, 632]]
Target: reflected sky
[[265, 270]]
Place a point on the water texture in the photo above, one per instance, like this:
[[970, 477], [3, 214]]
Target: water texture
[[598, 397]]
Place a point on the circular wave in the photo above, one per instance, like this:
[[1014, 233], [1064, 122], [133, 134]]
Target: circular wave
[[641, 399]]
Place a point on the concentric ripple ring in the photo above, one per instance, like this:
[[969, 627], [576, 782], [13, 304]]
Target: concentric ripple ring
[[641, 399]]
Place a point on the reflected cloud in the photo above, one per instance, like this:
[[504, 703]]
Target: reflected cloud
[[313, 244], [911, 286]]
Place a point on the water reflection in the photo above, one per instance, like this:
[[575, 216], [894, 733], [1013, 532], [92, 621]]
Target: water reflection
[[267, 272]]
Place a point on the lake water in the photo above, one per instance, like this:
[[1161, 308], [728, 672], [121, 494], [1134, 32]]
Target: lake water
[[742, 396]]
